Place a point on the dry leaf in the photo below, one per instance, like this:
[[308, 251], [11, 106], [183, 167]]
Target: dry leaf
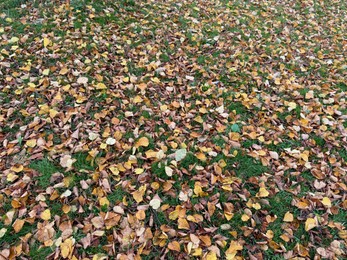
[[310, 223], [143, 141], [174, 245], [17, 225], [46, 214]]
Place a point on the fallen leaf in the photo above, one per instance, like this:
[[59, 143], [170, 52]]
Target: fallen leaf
[[155, 203], [288, 217], [175, 246], [18, 225], [31, 143], [46, 42], [310, 223], [326, 202], [66, 248], [143, 141], [46, 214], [183, 224], [180, 154], [263, 193]]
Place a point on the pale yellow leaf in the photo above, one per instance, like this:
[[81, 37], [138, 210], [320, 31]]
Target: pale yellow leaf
[[46, 42], [288, 217], [155, 203], [326, 202], [46, 214], [143, 141], [31, 143], [263, 193], [310, 223]]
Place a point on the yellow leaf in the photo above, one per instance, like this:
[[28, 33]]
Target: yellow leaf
[[291, 105], [66, 248], [114, 170], [326, 202], [309, 94], [199, 119], [11, 177], [99, 257], [46, 42], [175, 246], [66, 208], [13, 40], [222, 163], [31, 143], [285, 237], [232, 250], [256, 206], [63, 71], [310, 223], [197, 252], [183, 224], [151, 154], [100, 86], [104, 201], [304, 156], [143, 141], [17, 168], [46, 215], [288, 217], [137, 99], [269, 234], [245, 217], [174, 214], [139, 170], [53, 113], [201, 157], [18, 224], [263, 193], [342, 234], [138, 196], [277, 81], [155, 80], [211, 256], [140, 215], [45, 72], [2, 232]]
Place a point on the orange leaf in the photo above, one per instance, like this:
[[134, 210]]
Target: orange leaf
[[18, 224], [143, 141], [183, 224], [175, 246], [288, 217]]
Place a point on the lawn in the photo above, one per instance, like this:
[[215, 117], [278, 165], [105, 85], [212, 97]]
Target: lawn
[[173, 129]]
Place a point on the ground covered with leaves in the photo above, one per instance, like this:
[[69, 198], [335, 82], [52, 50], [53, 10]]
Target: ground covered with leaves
[[173, 129]]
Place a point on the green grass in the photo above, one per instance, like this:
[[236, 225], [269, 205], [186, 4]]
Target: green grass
[[82, 163], [46, 169], [117, 195], [38, 252], [10, 237], [280, 203]]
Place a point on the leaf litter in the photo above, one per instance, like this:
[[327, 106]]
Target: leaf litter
[[182, 129]]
